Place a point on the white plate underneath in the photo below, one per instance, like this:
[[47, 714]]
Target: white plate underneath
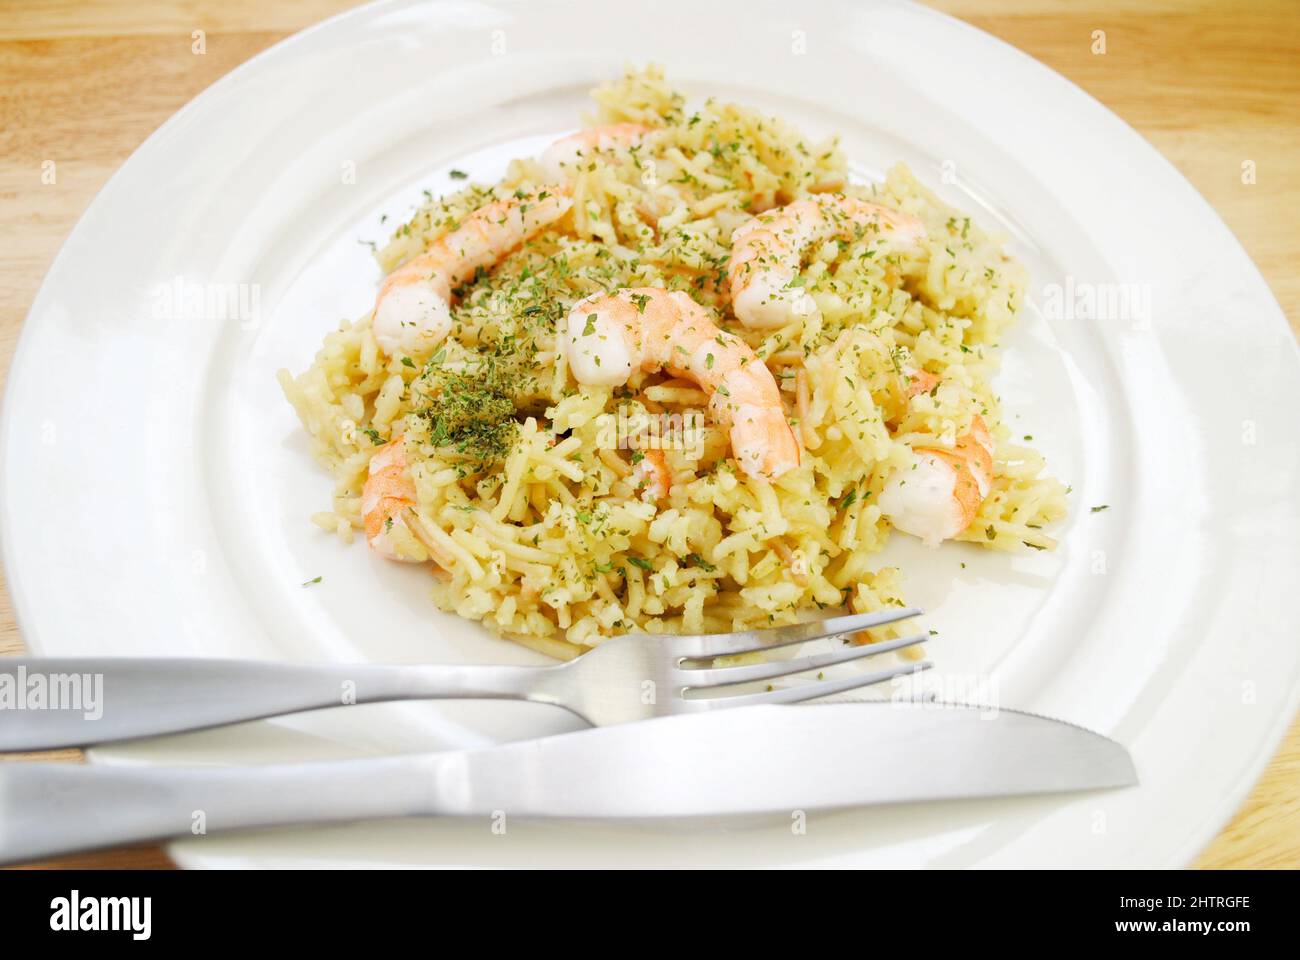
[[157, 486]]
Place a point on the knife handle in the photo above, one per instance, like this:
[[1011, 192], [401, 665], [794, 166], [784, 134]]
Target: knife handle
[[52, 809], [127, 697]]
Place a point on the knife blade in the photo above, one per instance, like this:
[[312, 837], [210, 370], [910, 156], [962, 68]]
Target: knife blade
[[780, 758], [745, 761]]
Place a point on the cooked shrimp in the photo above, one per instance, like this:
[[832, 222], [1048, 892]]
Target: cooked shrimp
[[764, 267], [413, 310], [611, 335], [919, 381], [652, 476], [388, 493], [562, 158], [938, 497], [794, 561]]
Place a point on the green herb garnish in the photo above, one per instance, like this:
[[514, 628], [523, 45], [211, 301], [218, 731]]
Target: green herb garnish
[[473, 410]]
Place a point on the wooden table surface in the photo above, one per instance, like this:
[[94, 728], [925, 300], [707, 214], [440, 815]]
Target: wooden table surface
[[1210, 83]]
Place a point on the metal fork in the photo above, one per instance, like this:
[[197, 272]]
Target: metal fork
[[633, 677]]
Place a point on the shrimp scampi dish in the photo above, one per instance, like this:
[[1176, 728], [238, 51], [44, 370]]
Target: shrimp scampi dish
[[678, 372]]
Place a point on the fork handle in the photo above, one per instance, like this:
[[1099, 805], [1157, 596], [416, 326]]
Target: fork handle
[[99, 700], [52, 809]]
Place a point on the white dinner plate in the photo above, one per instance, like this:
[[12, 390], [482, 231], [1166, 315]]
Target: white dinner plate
[[157, 486]]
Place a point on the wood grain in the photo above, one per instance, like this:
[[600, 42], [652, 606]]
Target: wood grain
[[1210, 83]]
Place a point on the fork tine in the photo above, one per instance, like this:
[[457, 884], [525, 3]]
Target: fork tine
[[714, 676], [810, 691], [747, 641]]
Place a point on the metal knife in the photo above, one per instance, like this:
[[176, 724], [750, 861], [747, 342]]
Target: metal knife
[[751, 760]]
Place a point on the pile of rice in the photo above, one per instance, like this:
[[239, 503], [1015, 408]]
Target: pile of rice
[[527, 505]]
